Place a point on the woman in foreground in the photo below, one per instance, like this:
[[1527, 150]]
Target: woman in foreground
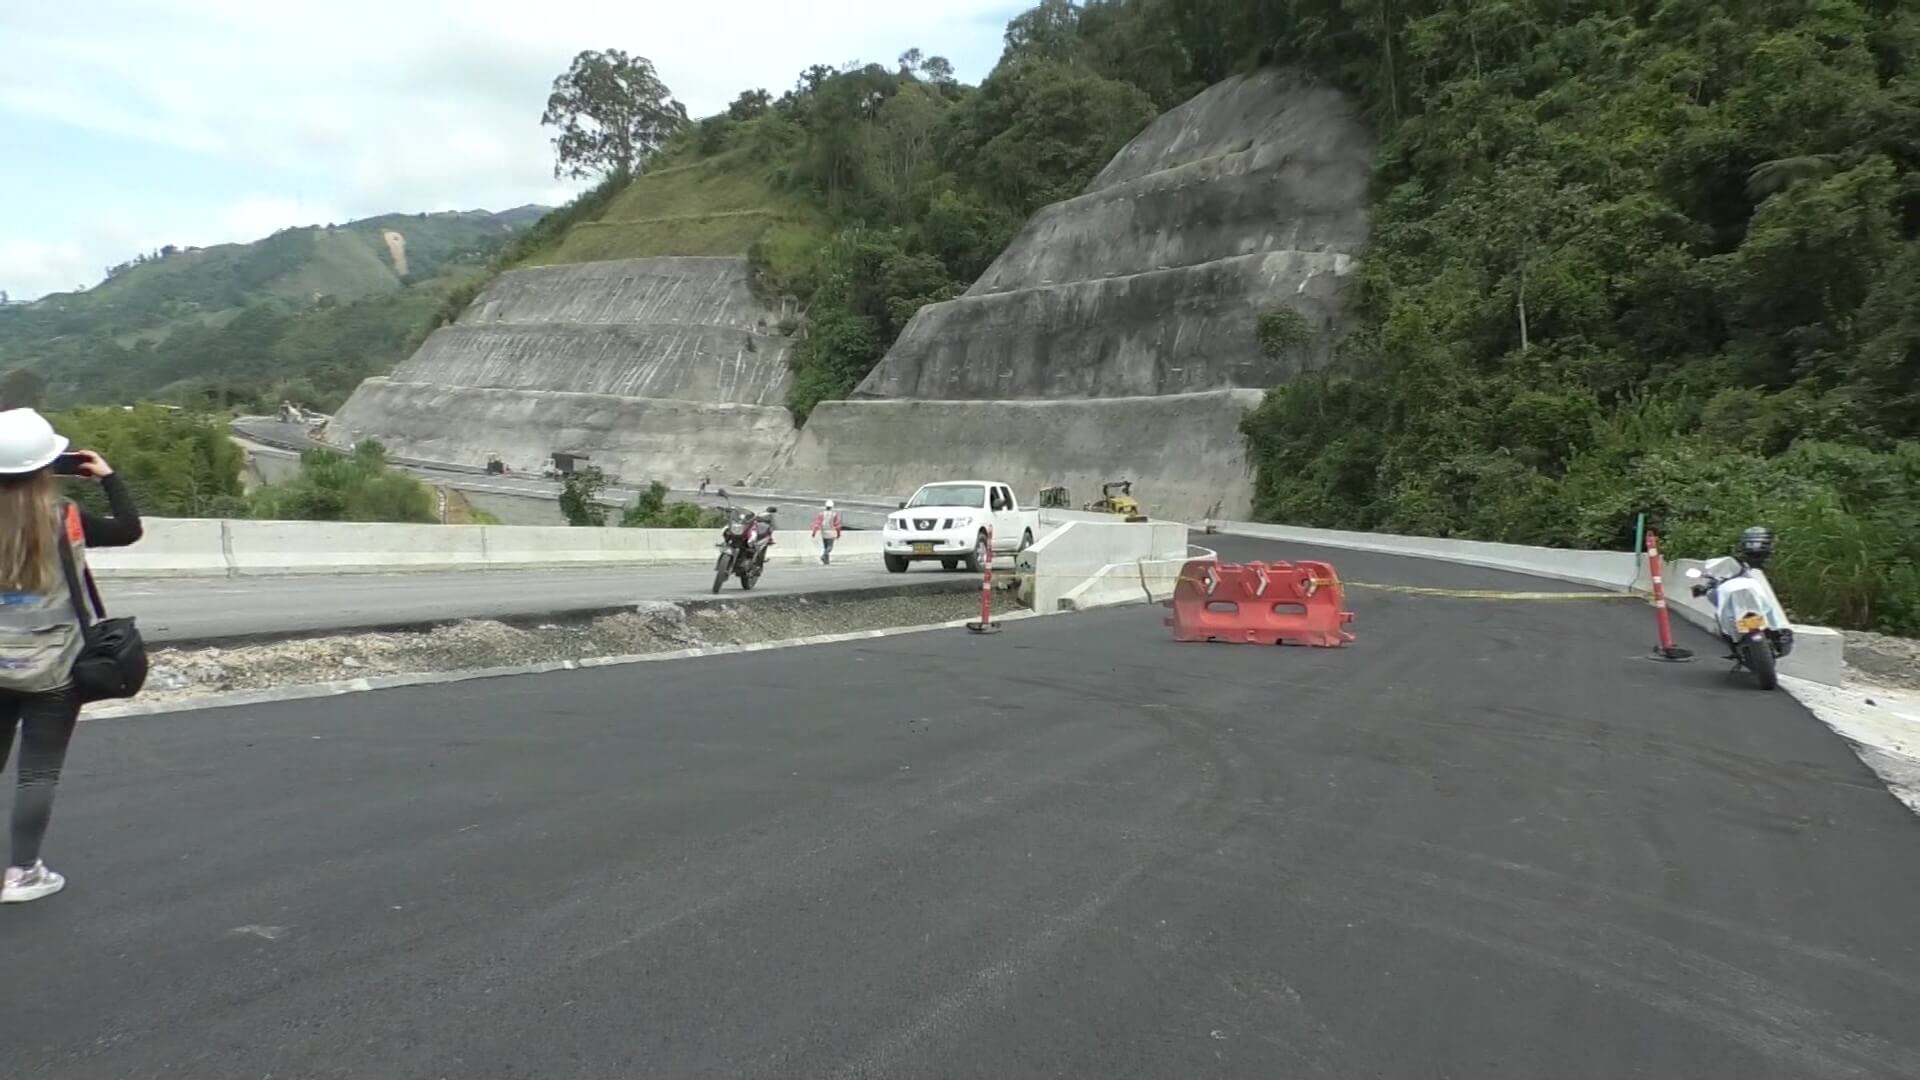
[[40, 631]]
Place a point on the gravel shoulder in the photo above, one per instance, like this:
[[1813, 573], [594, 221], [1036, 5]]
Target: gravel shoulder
[[660, 626]]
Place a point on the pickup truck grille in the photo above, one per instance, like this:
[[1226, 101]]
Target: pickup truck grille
[[925, 524]]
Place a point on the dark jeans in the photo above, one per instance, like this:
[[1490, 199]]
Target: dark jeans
[[826, 549], [46, 722]]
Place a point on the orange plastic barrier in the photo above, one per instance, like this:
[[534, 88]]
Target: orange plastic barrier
[[1262, 603]]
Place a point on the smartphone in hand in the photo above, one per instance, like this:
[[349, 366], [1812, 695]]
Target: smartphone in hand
[[69, 464]]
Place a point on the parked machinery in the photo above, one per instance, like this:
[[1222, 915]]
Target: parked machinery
[[1116, 497]]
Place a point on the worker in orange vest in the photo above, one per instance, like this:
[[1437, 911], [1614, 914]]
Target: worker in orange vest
[[826, 526]]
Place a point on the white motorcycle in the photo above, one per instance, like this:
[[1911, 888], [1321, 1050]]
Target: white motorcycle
[[1750, 618]]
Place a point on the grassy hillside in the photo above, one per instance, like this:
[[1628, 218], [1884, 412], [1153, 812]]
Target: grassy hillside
[[306, 312], [716, 206]]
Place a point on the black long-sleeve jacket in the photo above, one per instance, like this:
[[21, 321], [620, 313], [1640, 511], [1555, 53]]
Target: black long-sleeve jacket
[[118, 528]]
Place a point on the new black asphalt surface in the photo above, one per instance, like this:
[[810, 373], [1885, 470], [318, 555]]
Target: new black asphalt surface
[[1488, 840]]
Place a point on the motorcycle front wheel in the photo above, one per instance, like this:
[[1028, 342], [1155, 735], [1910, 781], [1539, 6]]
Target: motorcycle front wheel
[[1757, 654], [721, 570]]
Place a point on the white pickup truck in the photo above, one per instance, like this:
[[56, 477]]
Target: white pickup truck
[[949, 521]]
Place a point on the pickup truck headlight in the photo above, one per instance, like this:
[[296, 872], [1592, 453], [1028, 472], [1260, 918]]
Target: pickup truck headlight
[[962, 522]]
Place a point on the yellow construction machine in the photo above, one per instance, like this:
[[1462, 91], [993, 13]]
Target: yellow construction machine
[[1116, 497]]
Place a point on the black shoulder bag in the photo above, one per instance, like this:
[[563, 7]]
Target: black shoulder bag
[[113, 662]]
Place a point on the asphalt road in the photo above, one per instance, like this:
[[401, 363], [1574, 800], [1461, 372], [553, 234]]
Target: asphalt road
[[195, 609], [1488, 840]]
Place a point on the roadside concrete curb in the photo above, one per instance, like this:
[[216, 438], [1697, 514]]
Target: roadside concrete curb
[[240, 698]]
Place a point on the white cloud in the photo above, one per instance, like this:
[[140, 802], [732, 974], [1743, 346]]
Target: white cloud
[[32, 268], [381, 106]]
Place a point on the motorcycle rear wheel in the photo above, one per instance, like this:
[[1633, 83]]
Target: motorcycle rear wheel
[[1758, 656]]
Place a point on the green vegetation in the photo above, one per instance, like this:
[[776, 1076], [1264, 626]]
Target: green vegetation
[[304, 314], [580, 497], [347, 487], [1626, 258], [174, 463], [652, 511], [863, 193], [1283, 330], [612, 112], [580, 504], [716, 206]]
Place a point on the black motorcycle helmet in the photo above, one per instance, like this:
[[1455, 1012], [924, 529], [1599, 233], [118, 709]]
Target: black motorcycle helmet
[[1756, 546]]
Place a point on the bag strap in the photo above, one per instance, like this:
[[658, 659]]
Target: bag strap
[[73, 575]]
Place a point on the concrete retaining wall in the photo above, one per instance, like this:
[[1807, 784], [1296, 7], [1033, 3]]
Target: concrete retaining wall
[[638, 439], [1818, 650], [1184, 452], [196, 548]]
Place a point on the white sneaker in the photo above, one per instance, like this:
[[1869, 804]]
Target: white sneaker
[[32, 883]]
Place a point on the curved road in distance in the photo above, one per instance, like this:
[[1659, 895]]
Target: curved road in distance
[[856, 512], [1487, 840]]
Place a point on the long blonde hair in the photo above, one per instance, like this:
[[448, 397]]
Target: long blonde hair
[[29, 542]]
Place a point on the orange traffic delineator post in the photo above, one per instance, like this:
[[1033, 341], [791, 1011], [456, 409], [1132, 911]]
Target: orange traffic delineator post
[[986, 625], [1663, 622], [1259, 603]]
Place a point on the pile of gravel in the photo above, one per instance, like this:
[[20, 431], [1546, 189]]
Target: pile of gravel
[[650, 628]]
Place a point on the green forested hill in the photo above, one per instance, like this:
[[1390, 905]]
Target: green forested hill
[[306, 312]]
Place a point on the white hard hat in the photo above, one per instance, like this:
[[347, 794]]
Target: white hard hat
[[27, 442], [829, 504]]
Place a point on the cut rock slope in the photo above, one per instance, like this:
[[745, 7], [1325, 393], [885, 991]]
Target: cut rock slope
[[656, 368], [1131, 311]]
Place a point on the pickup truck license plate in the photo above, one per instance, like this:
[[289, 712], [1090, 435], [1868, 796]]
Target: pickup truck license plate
[[923, 549]]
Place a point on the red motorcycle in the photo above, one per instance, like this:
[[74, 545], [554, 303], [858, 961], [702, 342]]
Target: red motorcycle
[[743, 546]]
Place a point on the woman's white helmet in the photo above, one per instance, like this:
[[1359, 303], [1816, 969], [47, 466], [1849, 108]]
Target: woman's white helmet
[[27, 442], [829, 504]]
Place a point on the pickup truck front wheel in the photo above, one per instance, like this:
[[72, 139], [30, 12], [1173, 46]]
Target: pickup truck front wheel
[[981, 555], [896, 564]]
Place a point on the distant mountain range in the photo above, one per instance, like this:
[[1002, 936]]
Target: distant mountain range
[[307, 311]]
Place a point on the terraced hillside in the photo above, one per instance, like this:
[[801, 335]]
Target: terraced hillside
[[1131, 313], [1116, 336], [635, 337]]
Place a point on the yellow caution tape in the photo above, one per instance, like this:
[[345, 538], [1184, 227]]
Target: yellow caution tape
[[1491, 594]]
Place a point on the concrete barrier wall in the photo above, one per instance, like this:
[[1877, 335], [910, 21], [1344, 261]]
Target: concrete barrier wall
[[1606, 569], [1077, 552], [175, 547], [1818, 650], [171, 547], [318, 547]]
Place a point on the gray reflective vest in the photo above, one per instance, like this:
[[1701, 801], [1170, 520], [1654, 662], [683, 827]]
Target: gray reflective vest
[[40, 635]]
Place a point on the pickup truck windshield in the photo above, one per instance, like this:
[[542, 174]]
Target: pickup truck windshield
[[950, 495]]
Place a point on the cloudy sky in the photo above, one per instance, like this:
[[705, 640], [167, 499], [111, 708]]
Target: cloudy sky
[[129, 124]]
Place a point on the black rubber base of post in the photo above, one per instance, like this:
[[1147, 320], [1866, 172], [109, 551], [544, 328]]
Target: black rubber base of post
[[983, 628], [1674, 655]]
